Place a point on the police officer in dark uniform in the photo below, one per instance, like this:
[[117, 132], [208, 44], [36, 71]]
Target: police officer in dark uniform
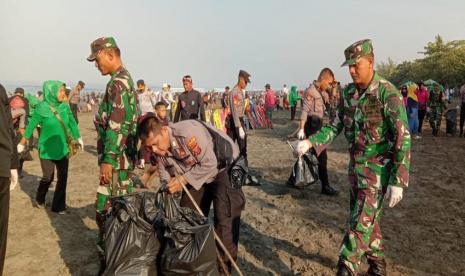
[[189, 155], [190, 103]]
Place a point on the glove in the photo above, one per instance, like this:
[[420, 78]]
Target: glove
[[241, 133], [13, 179], [141, 163], [302, 147], [20, 148], [81, 143], [428, 109], [301, 134], [393, 195]]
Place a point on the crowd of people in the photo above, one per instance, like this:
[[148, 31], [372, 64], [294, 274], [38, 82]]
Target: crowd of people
[[194, 141], [431, 102]]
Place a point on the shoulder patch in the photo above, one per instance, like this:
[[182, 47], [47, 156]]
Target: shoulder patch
[[194, 146]]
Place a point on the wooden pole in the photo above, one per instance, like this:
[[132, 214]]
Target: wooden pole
[[217, 238]]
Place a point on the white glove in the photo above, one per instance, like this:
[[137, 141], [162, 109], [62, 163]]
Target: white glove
[[81, 143], [302, 148], [301, 134], [428, 109], [13, 179], [393, 195], [20, 148], [241, 133], [141, 163]]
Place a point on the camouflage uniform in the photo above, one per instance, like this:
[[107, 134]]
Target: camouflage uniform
[[375, 125], [437, 106], [116, 122]]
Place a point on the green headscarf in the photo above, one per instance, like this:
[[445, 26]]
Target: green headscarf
[[293, 96], [50, 89]]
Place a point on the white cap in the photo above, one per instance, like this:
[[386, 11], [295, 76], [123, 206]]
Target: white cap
[[165, 85]]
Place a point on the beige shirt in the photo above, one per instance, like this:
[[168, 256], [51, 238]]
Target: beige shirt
[[74, 96], [192, 154], [237, 105], [314, 103]]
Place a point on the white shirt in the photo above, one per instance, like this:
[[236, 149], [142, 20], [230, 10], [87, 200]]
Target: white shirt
[[146, 102], [285, 90], [168, 98]]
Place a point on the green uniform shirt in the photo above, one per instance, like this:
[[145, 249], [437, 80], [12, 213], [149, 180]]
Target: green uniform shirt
[[376, 128], [52, 139], [116, 122]]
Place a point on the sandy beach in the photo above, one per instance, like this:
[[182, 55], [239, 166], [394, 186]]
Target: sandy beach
[[284, 231]]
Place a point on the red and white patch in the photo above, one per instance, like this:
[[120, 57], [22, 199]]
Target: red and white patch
[[194, 146]]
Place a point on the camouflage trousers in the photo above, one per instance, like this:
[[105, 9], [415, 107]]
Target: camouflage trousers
[[435, 119], [123, 185], [364, 234]]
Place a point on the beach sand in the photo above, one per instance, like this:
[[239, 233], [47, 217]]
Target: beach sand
[[284, 231]]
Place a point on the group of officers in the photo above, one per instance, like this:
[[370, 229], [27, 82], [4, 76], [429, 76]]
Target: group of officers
[[370, 111]]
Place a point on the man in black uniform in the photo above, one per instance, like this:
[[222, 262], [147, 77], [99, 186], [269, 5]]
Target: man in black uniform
[[189, 155], [6, 152], [190, 103]]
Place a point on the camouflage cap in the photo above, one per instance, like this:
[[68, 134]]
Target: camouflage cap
[[356, 50], [100, 44]]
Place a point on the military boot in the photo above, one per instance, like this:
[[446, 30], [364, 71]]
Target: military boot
[[377, 267], [343, 269]]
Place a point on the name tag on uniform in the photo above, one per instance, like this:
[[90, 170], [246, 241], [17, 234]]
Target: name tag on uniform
[[193, 103]]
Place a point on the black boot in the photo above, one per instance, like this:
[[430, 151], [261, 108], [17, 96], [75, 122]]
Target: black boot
[[328, 190], [343, 270], [377, 267]]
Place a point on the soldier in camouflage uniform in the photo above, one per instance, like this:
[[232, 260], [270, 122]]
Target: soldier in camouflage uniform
[[436, 105], [374, 121], [115, 122]]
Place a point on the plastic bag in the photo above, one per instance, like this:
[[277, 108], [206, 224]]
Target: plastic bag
[[305, 171], [189, 243], [451, 121], [131, 247]]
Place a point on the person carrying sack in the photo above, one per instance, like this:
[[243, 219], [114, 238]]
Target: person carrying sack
[[58, 129], [207, 162]]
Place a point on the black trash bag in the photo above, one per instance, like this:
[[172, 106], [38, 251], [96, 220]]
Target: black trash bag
[[451, 121], [305, 171], [131, 246], [189, 244]]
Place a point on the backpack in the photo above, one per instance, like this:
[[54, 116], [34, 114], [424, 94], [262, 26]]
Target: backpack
[[222, 148]]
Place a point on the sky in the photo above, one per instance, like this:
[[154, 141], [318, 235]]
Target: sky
[[277, 42]]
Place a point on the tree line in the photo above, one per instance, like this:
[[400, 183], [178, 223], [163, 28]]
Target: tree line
[[442, 61]]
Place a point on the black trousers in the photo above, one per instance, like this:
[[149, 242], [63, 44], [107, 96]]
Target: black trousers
[[421, 118], [48, 171], [462, 117], [234, 134], [4, 212], [75, 109], [228, 204], [312, 126], [293, 110]]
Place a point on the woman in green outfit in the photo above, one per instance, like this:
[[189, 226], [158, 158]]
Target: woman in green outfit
[[53, 148], [293, 99]]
